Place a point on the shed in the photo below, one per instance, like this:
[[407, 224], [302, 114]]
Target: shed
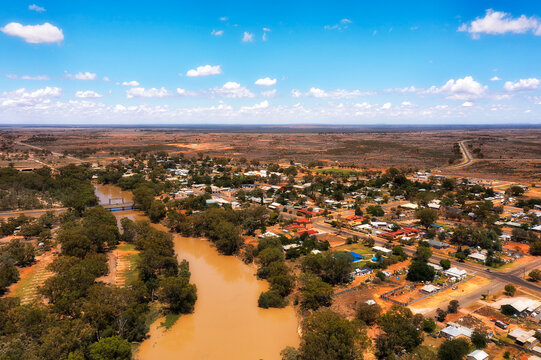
[[477, 355]]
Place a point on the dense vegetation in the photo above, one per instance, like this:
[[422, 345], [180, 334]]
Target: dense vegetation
[[85, 318], [71, 187]]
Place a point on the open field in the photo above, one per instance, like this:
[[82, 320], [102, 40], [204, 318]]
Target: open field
[[504, 153]]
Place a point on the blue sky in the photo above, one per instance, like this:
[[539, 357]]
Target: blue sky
[[335, 62]]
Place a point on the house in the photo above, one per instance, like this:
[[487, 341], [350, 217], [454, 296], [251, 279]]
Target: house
[[536, 350], [438, 244], [523, 337], [477, 355], [382, 250], [436, 267], [404, 231], [456, 273], [268, 234], [477, 256], [453, 331], [290, 246], [429, 289], [410, 206], [523, 306]]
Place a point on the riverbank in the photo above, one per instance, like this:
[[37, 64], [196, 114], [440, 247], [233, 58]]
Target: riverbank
[[226, 323]]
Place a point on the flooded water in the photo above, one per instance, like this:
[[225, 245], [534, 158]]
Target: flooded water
[[227, 324], [111, 194]]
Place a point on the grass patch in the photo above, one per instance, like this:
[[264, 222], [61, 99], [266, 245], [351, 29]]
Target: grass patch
[[358, 248], [132, 274], [24, 284], [126, 247], [170, 320]]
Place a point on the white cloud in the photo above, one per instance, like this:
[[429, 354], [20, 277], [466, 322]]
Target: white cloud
[[88, 94], [495, 78], [342, 25], [247, 37], [106, 78], [265, 31], [139, 92], [406, 103], [34, 34], [217, 32], [81, 76], [204, 70], [224, 18], [262, 105], [460, 89], [265, 81], [269, 93], [183, 92], [467, 104], [232, 89], [363, 106], [332, 94], [522, 85], [23, 98], [29, 77], [36, 8], [386, 106], [130, 83], [498, 22], [410, 89]]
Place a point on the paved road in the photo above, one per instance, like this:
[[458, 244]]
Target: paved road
[[465, 153]]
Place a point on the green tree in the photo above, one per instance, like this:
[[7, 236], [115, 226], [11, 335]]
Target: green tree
[[315, 293], [426, 217], [423, 253], [157, 211], [456, 349], [441, 315], [368, 314], [401, 332], [429, 325], [534, 275], [110, 348], [420, 271], [8, 273], [510, 290], [329, 336], [178, 294], [453, 306], [445, 264], [271, 299], [479, 340]]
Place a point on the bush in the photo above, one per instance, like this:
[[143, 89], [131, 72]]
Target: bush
[[271, 299], [510, 290], [453, 349], [429, 325], [368, 314], [479, 340]]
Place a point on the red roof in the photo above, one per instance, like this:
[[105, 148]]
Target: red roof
[[353, 217], [400, 232], [302, 211], [309, 232], [303, 221], [295, 226]]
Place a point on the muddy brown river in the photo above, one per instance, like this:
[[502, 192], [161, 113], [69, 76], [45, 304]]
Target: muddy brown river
[[226, 324]]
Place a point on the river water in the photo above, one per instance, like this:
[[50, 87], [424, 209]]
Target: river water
[[226, 324]]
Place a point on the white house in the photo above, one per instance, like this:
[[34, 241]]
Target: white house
[[456, 273], [477, 355], [477, 256]]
